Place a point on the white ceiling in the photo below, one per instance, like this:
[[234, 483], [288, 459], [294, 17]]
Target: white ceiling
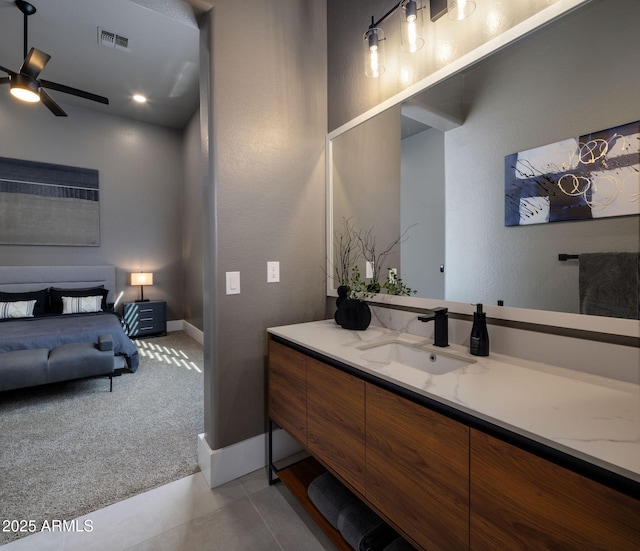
[[162, 62]]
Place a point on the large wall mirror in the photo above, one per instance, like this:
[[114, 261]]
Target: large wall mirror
[[431, 162]]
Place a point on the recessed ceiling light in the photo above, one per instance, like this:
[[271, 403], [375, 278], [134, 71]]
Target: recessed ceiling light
[[139, 98]]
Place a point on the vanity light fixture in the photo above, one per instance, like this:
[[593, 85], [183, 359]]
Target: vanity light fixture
[[411, 41], [411, 28], [142, 279]]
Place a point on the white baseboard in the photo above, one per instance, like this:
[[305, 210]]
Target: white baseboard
[[191, 330], [225, 464]]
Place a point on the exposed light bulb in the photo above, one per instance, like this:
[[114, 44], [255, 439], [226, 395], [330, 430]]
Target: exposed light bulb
[[374, 61], [412, 35], [139, 98]]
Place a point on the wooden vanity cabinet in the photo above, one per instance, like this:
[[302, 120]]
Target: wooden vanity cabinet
[[521, 501], [335, 422], [287, 396], [440, 483], [418, 470]]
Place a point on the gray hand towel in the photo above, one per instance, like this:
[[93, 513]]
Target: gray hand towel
[[330, 497], [609, 284], [362, 529]]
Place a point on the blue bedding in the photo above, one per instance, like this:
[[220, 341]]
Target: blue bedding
[[51, 331]]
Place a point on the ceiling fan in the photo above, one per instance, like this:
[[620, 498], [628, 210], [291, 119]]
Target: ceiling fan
[[26, 85]]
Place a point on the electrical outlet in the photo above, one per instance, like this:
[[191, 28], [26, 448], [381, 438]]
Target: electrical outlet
[[368, 270], [273, 272]]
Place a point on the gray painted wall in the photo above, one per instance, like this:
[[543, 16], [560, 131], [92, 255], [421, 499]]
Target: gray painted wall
[[193, 225], [141, 181], [351, 93], [265, 199]]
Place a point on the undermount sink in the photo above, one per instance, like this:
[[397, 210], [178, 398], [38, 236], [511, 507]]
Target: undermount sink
[[429, 361]]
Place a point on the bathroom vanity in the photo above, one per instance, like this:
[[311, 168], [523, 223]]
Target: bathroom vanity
[[457, 451]]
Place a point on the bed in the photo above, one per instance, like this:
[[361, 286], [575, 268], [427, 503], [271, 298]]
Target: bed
[[56, 323]]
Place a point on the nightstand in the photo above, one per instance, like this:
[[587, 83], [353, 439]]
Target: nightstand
[[145, 319]]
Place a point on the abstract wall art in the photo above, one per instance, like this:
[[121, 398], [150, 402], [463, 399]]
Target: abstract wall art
[[48, 204], [592, 176]]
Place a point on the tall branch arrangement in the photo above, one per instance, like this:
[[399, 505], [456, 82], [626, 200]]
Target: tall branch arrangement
[[367, 242], [350, 245], [346, 252]]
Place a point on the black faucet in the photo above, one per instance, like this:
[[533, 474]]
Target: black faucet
[[441, 333]]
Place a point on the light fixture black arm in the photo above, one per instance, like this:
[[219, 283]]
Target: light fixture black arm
[[394, 8]]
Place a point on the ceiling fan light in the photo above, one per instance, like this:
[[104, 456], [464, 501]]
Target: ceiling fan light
[[25, 88]]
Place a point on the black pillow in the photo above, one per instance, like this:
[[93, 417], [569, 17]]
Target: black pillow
[[56, 294], [41, 305]]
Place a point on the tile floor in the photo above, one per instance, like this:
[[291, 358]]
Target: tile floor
[[186, 515]]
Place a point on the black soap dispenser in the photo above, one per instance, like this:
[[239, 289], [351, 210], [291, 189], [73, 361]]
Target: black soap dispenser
[[479, 341]]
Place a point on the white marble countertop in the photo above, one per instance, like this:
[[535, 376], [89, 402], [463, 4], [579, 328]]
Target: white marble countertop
[[589, 417]]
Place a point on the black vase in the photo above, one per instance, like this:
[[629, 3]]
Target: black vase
[[343, 293], [353, 314]]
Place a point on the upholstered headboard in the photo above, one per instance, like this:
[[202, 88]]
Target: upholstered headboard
[[33, 278]]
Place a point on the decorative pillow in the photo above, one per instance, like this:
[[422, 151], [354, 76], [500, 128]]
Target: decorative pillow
[[41, 298], [81, 305], [17, 309], [56, 294]]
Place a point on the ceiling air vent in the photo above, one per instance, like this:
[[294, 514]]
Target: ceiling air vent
[[112, 40]]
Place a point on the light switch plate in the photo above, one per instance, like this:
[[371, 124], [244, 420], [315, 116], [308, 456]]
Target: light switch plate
[[273, 272], [368, 270], [233, 283]]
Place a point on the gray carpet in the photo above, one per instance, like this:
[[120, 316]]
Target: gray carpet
[[71, 448]]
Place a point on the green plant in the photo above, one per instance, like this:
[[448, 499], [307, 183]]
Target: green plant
[[358, 287], [395, 286]]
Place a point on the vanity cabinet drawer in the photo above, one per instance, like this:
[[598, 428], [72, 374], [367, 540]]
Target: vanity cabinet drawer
[[418, 470], [146, 318], [335, 422], [521, 501]]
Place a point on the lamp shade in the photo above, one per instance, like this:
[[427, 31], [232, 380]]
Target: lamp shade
[[141, 278]]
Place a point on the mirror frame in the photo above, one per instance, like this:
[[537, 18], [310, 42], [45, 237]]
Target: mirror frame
[[579, 322]]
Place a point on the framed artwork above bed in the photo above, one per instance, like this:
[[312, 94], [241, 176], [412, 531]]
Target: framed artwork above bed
[[48, 204]]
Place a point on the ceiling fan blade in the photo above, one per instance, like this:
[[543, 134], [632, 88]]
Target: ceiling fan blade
[[5, 80], [73, 91], [34, 62], [8, 71], [51, 105]]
